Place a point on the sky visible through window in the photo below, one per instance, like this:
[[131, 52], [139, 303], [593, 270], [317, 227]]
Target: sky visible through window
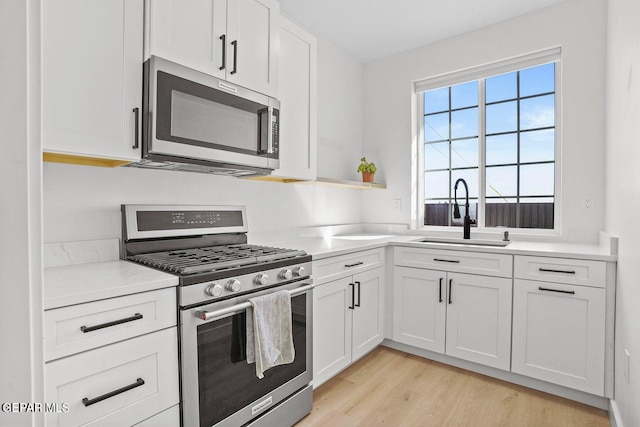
[[518, 142]]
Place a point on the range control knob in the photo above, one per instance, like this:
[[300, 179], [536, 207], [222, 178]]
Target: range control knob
[[261, 279], [213, 290], [233, 285], [285, 274], [298, 271]]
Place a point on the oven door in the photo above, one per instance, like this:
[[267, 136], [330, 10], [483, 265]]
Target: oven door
[[191, 115], [218, 386]]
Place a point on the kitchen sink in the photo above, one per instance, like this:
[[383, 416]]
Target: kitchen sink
[[463, 242]]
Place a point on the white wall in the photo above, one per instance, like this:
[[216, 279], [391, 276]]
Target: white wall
[[623, 195], [82, 203], [578, 26]]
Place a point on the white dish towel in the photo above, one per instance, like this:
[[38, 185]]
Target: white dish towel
[[269, 331]]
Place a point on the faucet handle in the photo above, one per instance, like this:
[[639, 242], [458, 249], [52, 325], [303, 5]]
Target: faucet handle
[[506, 236]]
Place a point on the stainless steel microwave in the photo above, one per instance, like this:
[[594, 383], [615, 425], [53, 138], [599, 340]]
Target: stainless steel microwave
[[192, 121]]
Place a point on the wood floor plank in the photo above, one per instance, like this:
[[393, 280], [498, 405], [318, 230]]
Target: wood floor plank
[[391, 388]]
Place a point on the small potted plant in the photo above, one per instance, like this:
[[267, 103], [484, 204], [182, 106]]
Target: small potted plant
[[368, 170]]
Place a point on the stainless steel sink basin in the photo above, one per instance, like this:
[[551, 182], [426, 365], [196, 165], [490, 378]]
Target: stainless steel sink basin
[[463, 242]]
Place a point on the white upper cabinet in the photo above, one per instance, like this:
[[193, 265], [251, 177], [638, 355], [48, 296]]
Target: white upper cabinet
[[236, 40], [297, 95], [92, 78]]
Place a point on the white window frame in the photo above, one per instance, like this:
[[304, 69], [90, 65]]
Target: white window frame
[[480, 73]]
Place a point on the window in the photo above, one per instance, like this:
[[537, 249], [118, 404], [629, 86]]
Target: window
[[498, 133]]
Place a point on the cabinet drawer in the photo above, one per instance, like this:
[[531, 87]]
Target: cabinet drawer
[[572, 271], [332, 268], [166, 418], [77, 328], [140, 374], [483, 263]]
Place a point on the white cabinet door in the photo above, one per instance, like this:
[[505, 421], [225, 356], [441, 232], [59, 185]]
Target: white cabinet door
[[559, 334], [479, 319], [419, 308], [191, 33], [368, 314], [91, 77], [252, 37], [297, 95], [331, 329]]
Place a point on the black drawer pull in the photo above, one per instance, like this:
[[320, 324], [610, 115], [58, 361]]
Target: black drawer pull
[[353, 265], [86, 329], [358, 304], [556, 290], [235, 56], [455, 261], [224, 52], [353, 296], [440, 291], [89, 402], [450, 299], [549, 270]]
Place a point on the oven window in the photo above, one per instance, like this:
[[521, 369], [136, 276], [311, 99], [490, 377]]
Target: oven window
[[227, 383]]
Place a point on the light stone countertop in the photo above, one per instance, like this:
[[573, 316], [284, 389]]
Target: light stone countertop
[[321, 248], [69, 279]]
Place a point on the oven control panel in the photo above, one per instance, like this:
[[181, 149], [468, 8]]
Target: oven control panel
[[238, 285]]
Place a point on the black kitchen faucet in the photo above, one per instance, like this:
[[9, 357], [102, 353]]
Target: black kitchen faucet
[[456, 208]]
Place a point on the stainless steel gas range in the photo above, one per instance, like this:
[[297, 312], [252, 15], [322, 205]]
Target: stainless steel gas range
[[206, 247]]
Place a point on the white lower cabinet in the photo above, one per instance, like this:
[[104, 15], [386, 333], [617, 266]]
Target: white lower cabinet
[[559, 334], [462, 315], [348, 321], [113, 362], [119, 384]]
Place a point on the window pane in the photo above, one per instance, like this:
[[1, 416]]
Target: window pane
[[536, 80], [436, 100], [436, 213], [436, 127], [502, 149], [537, 180], [464, 95], [501, 213], [537, 112], [502, 181], [473, 213], [470, 176], [537, 146], [436, 155], [500, 88], [464, 153], [464, 123], [436, 185], [502, 117], [536, 214]]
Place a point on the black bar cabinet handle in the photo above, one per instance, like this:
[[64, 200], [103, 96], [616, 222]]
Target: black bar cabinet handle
[[224, 51], [556, 290], [136, 126], [440, 291], [86, 329], [450, 281], [358, 304], [353, 296], [353, 265], [455, 261], [549, 270], [235, 56], [89, 402]]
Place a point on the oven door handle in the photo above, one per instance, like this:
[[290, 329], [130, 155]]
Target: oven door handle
[[209, 315]]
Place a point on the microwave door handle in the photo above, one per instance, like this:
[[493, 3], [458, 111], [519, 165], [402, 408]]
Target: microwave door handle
[[270, 131]]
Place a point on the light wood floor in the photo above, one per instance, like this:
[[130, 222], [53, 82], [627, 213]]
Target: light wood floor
[[392, 388]]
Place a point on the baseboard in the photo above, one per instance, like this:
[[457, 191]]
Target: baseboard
[[565, 392], [614, 414]]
